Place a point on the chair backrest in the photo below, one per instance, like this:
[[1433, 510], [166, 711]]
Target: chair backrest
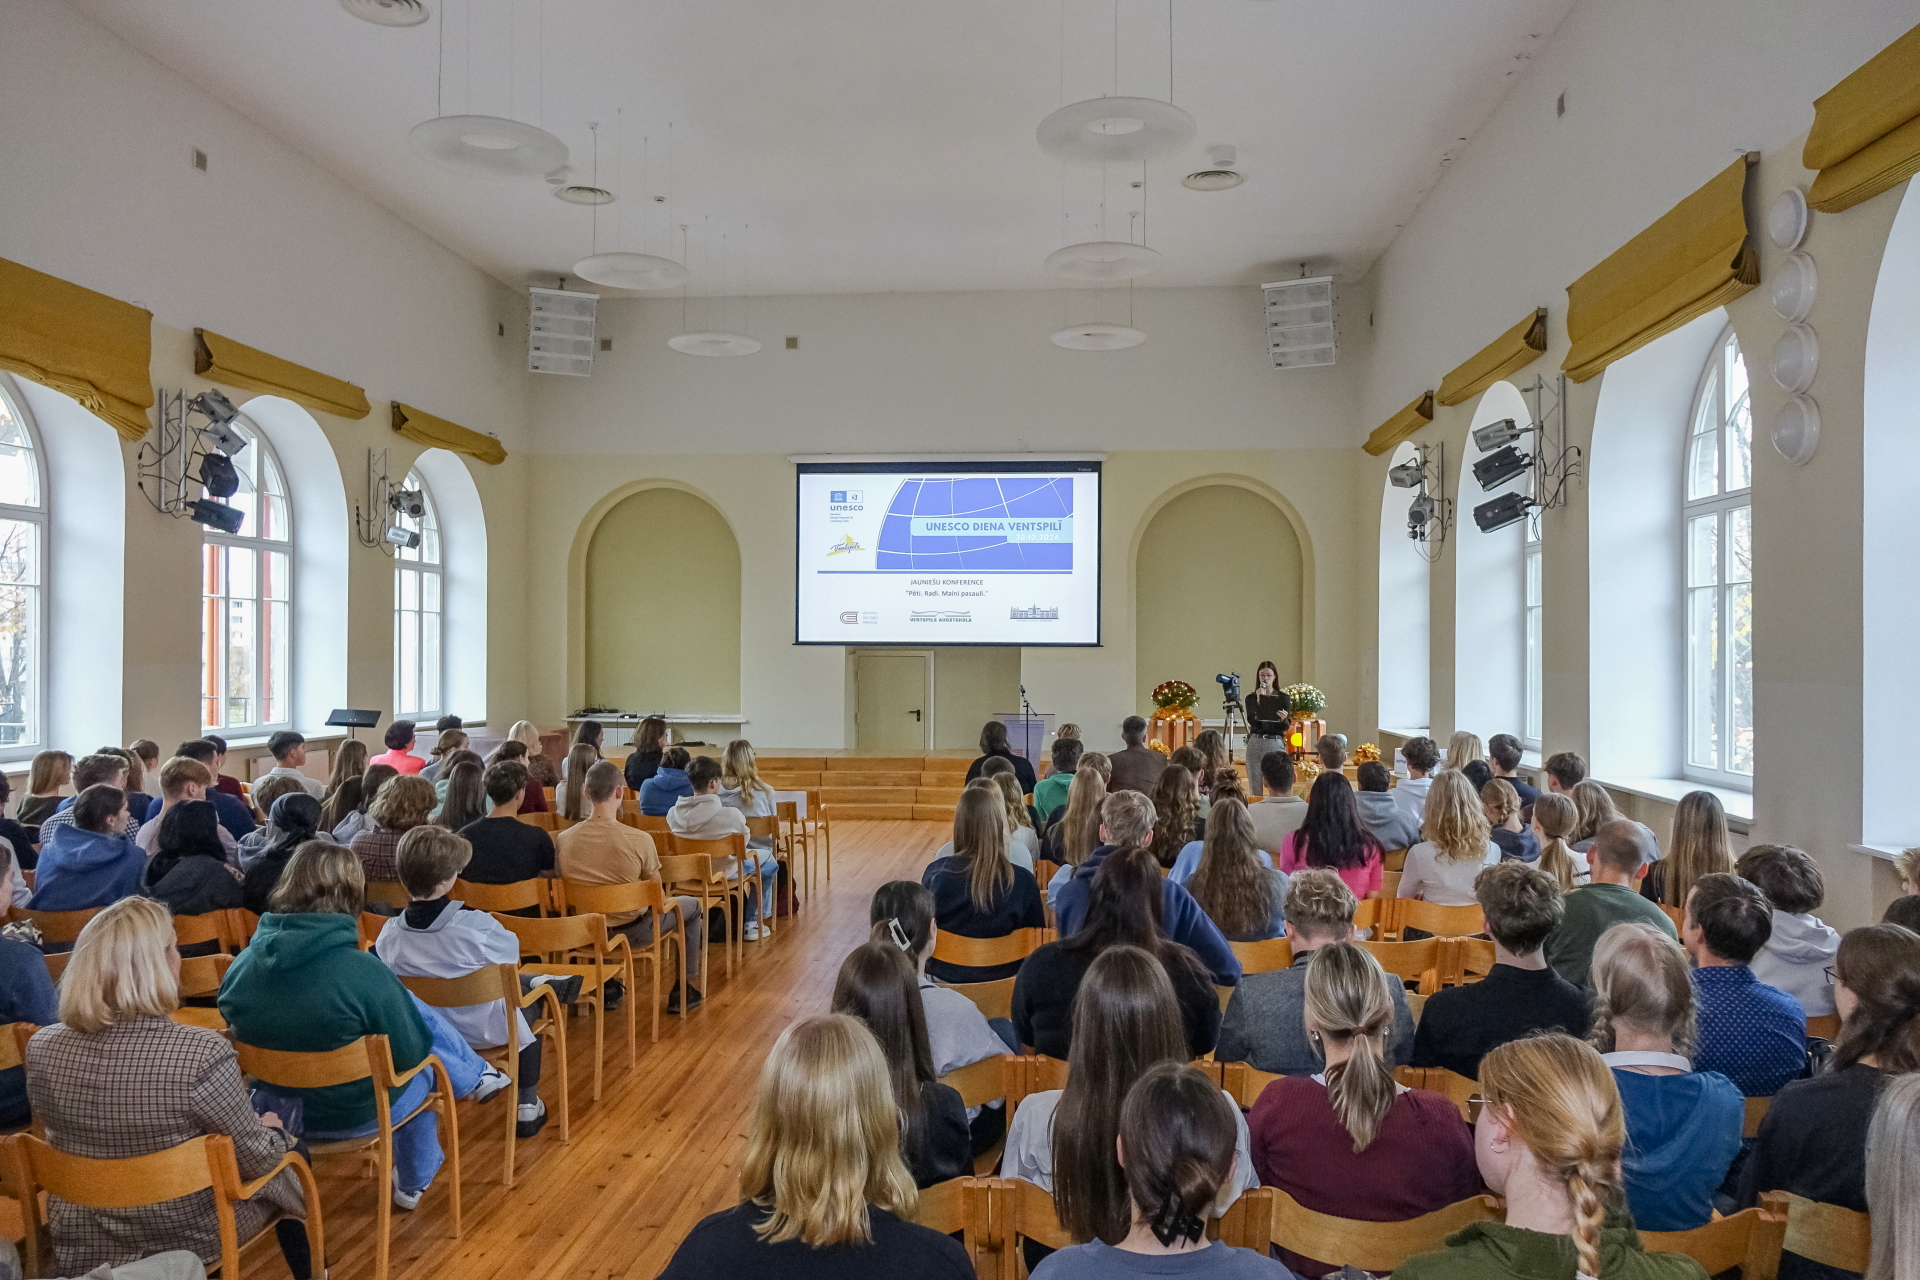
[[391, 892], [1044, 872], [1676, 914], [1444, 922], [1030, 1213], [993, 999], [202, 975], [1263, 957], [1370, 913], [241, 924], [1393, 860], [517, 896], [545, 819], [371, 923], [1827, 1234], [482, 986], [951, 948], [981, 1082], [56, 926], [1390, 885], [1468, 960], [584, 932], [689, 868], [1370, 1246], [211, 926], [951, 1206], [1756, 1112], [767, 827], [1826, 1026], [360, 1059], [787, 811], [56, 963], [728, 846], [129, 1182], [653, 824], [1406, 959], [1244, 1083], [13, 1045], [1750, 1239], [1456, 1088], [576, 898]]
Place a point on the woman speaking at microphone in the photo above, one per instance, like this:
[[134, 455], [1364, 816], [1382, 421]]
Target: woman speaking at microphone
[[1269, 714]]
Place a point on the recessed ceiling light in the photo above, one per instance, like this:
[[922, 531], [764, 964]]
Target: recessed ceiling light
[[388, 13], [1103, 260], [1213, 179], [631, 271], [1098, 337], [714, 344], [489, 146], [579, 193]]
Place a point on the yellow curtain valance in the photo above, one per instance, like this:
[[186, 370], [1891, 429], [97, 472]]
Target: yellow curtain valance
[[1401, 425], [1515, 349], [1866, 129], [81, 343], [438, 433], [239, 365], [1698, 256]]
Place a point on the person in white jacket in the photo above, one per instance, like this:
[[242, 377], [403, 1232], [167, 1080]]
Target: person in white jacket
[[1798, 957], [703, 816], [436, 937], [742, 788]]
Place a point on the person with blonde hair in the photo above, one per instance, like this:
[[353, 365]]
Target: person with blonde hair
[[1549, 1139], [582, 756], [51, 773], [403, 803], [1906, 864], [1348, 1141], [1232, 878], [349, 762], [1076, 832], [823, 1188], [1023, 842], [1503, 808], [977, 891], [1464, 748], [1456, 844], [702, 815], [116, 1078], [1697, 846], [1683, 1125], [1597, 809], [1893, 1181], [1554, 818]]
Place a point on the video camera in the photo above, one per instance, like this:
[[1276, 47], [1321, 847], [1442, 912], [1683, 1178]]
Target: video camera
[[1230, 688]]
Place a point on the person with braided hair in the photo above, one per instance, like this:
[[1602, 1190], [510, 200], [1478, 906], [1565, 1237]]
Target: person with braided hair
[[1176, 1153], [1550, 1139]]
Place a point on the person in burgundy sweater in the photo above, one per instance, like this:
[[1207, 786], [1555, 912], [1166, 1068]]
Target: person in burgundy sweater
[[1415, 1151]]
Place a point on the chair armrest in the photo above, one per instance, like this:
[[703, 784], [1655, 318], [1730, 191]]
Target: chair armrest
[[618, 942], [290, 1157], [544, 992], [431, 1060]]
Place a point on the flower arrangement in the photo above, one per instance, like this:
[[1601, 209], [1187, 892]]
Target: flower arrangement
[[1365, 752], [1305, 699], [1308, 770], [1176, 698]]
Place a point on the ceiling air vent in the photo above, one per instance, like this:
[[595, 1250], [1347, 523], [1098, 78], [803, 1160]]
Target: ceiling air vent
[[1300, 332], [560, 332], [388, 13]]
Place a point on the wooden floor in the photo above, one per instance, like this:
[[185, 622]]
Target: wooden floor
[[662, 1148]]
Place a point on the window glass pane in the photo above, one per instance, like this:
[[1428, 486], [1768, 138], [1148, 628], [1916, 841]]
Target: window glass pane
[[275, 707], [19, 552], [1740, 446], [212, 611], [430, 698], [1740, 544], [1703, 550], [409, 588], [1703, 677], [213, 562], [430, 540], [273, 516], [241, 659], [1740, 660], [19, 475], [1736, 372], [1533, 576], [273, 585], [408, 625], [241, 579], [430, 592], [19, 632], [1703, 466]]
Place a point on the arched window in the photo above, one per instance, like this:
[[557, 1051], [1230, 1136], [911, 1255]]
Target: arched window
[[246, 596], [1717, 552], [418, 691], [23, 538], [1535, 615]]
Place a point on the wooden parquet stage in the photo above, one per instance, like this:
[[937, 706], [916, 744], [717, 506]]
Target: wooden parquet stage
[[662, 1148]]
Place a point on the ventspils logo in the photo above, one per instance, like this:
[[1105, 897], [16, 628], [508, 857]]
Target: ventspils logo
[[845, 545]]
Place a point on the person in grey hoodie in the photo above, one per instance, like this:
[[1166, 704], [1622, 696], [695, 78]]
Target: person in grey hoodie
[[702, 816], [1798, 957], [1385, 819]]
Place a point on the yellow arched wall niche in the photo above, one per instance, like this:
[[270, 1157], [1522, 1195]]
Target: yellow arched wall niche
[[1219, 585], [662, 596]]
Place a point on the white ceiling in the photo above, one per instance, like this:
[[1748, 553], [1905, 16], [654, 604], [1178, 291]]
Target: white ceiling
[[874, 145]]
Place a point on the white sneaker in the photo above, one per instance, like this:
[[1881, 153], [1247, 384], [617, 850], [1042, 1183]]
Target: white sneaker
[[405, 1199], [752, 931], [766, 928], [491, 1082]]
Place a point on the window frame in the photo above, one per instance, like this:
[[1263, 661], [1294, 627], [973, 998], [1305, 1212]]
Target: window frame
[[1727, 508], [35, 732], [261, 547], [434, 571], [1533, 637]]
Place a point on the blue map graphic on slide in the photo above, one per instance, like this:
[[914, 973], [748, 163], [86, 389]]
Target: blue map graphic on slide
[[975, 524]]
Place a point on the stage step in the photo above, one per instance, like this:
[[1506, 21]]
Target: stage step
[[894, 812]]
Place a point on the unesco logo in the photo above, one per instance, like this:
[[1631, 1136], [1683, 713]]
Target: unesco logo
[[846, 499]]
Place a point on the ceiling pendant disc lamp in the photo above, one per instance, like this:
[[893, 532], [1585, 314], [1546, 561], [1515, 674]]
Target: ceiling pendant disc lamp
[[1103, 260], [388, 13], [632, 271], [1098, 337], [488, 146], [714, 344], [1116, 130]]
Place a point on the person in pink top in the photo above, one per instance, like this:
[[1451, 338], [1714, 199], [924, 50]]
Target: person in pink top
[[399, 749], [1332, 837]]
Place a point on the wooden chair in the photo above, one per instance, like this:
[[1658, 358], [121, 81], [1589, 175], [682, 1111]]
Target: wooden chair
[[502, 982], [370, 926], [518, 896], [574, 937], [993, 999], [981, 953], [817, 824], [201, 976], [787, 814], [1756, 1112], [1417, 962], [1244, 1083], [747, 879], [1456, 1088], [1393, 860], [206, 1163], [211, 926], [1675, 914], [546, 820], [981, 1082], [702, 878], [56, 963], [1466, 960], [1031, 1073], [768, 828], [962, 1205], [1025, 1212], [17, 1217], [1043, 873], [56, 926], [654, 824], [1390, 885], [369, 1058], [1823, 1233], [1370, 1246], [1371, 913], [1263, 957], [1750, 1239], [1441, 922], [1826, 1026], [241, 924], [617, 899], [391, 892]]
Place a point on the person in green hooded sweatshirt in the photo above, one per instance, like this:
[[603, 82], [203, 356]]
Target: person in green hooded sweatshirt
[[303, 985], [1549, 1139]]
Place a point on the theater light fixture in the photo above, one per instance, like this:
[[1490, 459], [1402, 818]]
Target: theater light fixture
[[216, 515], [217, 475], [1496, 469], [410, 503], [400, 537], [214, 407], [1408, 475], [1508, 508], [1497, 434], [1419, 514]]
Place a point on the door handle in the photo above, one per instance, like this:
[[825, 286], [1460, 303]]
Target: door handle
[[916, 715]]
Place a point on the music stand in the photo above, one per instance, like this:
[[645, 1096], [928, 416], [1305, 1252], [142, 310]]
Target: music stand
[[349, 719]]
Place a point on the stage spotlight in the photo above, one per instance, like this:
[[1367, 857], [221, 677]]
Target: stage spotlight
[[215, 407], [1495, 434], [1408, 475], [1496, 469], [1419, 514], [217, 475], [1508, 508], [403, 537], [408, 502], [216, 515]]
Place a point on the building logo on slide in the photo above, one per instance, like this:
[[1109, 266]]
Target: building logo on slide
[[845, 545], [940, 615]]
